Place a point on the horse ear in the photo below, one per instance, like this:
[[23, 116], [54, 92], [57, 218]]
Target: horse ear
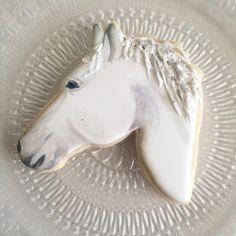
[[98, 35], [115, 37]]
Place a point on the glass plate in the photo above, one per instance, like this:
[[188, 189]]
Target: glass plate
[[103, 191]]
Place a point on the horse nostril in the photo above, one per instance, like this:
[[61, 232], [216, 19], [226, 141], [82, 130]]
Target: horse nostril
[[18, 147], [26, 161], [39, 162]]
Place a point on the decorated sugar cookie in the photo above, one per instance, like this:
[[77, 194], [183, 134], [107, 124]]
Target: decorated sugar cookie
[[125, 84]]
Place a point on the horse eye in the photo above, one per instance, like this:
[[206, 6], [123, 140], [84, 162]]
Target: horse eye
[[71, 84]]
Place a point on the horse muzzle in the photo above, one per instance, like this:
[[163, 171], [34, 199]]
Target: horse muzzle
[[27, 160]]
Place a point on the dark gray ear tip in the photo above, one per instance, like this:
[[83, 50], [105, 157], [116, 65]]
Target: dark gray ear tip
[[113, 26], [97, 27]]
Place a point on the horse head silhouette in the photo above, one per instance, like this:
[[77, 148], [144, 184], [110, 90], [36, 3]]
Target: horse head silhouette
[[125, 84]]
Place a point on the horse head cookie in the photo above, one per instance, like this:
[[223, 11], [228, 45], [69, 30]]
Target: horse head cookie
[[125, 84]]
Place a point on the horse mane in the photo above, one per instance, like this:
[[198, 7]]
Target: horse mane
[[166, 62]]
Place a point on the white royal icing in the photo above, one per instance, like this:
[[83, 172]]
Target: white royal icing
[[126, 84]]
